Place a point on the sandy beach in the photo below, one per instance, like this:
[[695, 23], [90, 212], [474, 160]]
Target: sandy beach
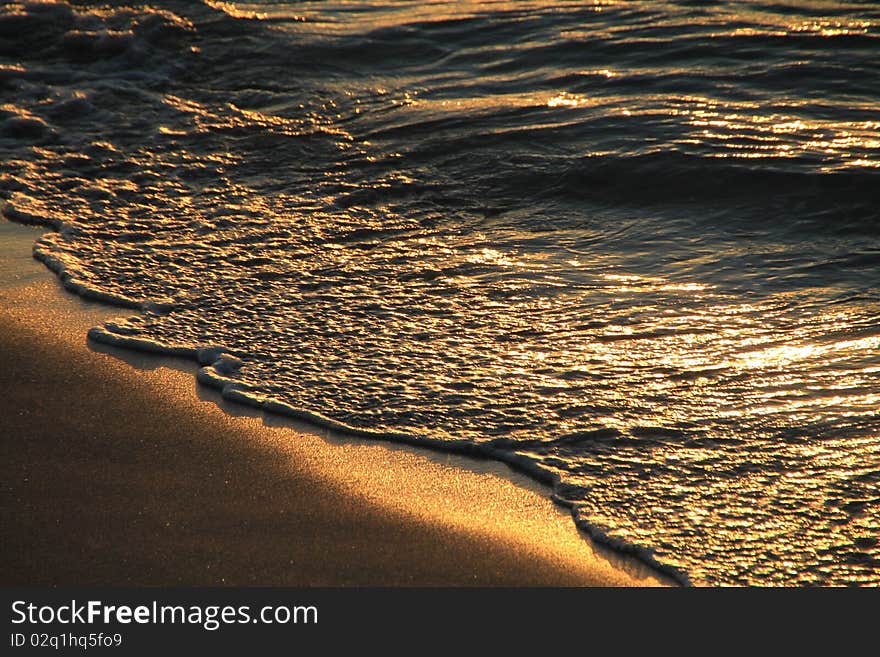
[[118, 469], [484, 286]]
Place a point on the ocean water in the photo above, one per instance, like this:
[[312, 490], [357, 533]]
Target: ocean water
[[629, 247]]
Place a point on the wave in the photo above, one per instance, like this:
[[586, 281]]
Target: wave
[[586, 243]]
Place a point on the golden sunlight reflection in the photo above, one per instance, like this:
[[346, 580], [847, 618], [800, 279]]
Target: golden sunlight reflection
[[752, 135], [601, 240], [712, 348], [788, 354]]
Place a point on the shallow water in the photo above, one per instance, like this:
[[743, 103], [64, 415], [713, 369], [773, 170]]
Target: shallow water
[[630, 245]]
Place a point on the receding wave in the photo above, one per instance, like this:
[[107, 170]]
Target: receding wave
[[630, 249]]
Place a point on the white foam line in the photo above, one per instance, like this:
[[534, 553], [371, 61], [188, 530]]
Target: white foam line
[[213, 357], [235, 391]]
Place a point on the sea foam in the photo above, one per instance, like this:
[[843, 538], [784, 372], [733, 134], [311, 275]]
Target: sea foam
[[545, 237]]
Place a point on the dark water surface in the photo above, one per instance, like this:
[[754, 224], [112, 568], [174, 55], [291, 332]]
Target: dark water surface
[[633, 246]]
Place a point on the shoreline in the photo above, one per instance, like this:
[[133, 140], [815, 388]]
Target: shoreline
[[342, 510]]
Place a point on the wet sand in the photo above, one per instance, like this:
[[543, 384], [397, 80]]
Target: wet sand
[[117, 469]]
